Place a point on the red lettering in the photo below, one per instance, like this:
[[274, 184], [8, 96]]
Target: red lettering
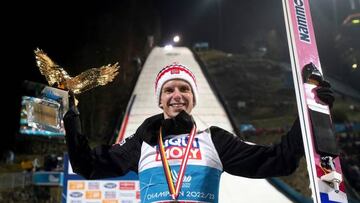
[[172, 153]]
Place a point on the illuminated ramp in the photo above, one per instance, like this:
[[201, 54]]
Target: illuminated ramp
[[207, 112]]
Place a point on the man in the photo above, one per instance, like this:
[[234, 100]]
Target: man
[[198, 157]]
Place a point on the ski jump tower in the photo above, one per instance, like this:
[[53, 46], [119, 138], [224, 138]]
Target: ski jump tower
[[208, 111]]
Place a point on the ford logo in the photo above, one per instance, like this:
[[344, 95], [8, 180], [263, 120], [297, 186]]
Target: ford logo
[[76, 194], [110, 185]]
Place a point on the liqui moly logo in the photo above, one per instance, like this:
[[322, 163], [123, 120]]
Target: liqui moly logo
[[302, 23], [175, 149]]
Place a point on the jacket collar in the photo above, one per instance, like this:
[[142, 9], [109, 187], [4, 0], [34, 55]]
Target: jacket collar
[[180, 124]]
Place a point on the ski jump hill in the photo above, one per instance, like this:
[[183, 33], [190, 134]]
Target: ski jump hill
[[209, 111]]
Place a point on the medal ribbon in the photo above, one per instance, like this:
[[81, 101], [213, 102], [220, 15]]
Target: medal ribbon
[[175, 190]]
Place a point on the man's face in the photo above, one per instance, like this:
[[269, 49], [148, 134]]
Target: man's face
[[176, 95]]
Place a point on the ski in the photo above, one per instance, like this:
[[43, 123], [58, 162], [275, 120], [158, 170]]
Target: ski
[[321, 151]]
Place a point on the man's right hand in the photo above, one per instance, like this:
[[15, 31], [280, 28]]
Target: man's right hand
[[73, 102]]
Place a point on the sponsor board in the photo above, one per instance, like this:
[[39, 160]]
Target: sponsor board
[[115, 190], [102, 190]]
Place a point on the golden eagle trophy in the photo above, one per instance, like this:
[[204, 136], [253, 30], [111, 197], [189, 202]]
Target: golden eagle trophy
[[56, 75], [43, 114]]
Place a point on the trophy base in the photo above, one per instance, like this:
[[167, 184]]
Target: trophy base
[[42, 114]]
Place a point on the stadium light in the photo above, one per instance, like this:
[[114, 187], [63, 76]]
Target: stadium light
[[176, 38], [168, 47]]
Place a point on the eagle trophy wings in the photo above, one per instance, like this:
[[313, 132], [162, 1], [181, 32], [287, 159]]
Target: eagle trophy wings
[[56, 75]]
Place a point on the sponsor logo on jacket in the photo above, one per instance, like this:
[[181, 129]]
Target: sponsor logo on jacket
[[175, 149], [186, 179]]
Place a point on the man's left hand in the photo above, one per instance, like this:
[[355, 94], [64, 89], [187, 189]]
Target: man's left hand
[[325, 93]]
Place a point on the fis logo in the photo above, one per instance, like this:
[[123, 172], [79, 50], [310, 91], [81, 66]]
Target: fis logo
[[175, 149]]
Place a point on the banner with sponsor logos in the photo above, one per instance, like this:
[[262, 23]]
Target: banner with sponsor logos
[[124, 189]]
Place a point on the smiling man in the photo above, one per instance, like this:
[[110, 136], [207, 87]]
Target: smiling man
[[175, 161], [175, 89]]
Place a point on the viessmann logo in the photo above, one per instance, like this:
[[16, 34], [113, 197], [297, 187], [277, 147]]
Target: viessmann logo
[[175, 149]]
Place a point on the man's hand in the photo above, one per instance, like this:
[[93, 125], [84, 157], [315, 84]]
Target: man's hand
[[73, 102], [325, 94]]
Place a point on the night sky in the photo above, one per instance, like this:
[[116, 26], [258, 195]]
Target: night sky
[[65, 29]]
